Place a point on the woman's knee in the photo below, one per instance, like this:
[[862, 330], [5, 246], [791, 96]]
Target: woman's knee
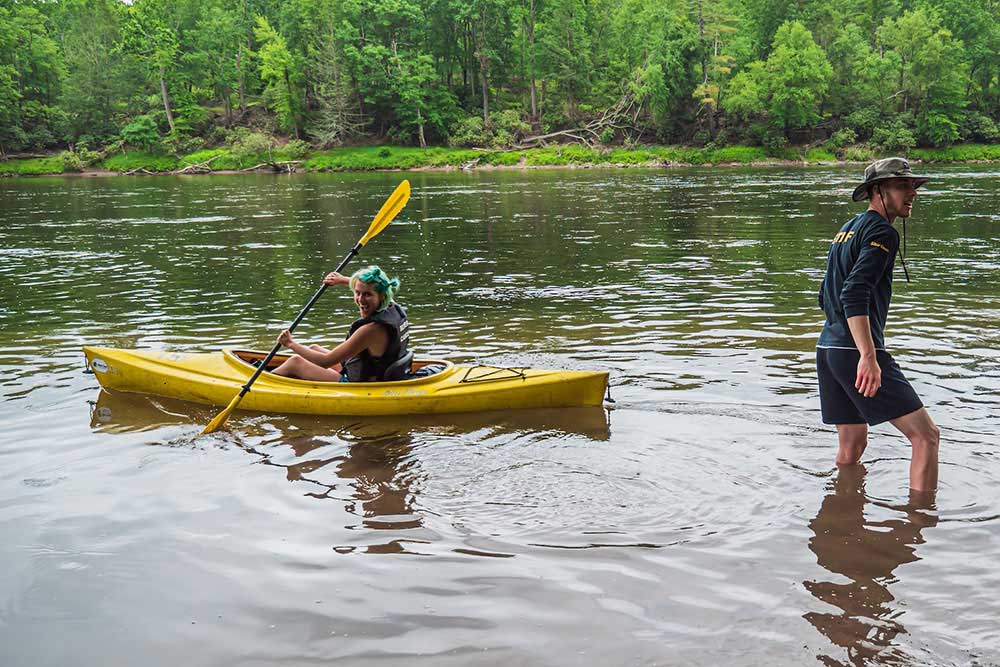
[[291, 367]]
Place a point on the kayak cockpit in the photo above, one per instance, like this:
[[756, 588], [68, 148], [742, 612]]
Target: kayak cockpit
[[420, 369]]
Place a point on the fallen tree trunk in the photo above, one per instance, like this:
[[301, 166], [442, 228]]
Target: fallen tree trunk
[[200, 168], [23, 156], [622, 117], [277, 167]]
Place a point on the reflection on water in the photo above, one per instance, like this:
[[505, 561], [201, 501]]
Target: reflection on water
[[381, 475], [377, 477], [866, 552], [121, 412]]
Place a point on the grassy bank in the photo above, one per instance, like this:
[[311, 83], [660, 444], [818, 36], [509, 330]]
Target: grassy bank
[[33, 166], [370, 158]]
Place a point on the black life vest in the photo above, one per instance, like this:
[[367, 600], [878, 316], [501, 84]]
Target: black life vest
[[367, 368]]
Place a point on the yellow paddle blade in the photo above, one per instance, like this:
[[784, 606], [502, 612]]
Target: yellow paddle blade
[[390, 209], [221, 418]]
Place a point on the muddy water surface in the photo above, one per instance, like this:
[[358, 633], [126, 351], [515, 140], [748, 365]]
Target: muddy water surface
[[702, 522]]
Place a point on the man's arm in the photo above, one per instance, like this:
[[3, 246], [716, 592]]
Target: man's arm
[[878, 247], [869, 374]]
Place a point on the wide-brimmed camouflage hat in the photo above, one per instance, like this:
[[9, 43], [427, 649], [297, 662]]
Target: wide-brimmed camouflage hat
[[883, 170]]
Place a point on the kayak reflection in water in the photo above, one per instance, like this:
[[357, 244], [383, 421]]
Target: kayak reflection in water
[[377, 339], [866, 552]]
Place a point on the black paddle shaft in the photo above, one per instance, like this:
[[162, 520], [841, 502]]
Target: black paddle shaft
[[295, 322]]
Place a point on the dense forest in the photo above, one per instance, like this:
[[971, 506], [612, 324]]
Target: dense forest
[[177, 75]]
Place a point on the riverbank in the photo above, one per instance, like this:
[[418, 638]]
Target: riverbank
[[375, 158]]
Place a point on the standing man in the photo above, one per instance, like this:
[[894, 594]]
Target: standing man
[[859, 382]]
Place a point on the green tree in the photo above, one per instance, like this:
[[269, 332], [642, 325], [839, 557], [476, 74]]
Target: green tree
[[11, 134], [565, 42], [490, 25], [412, 78], [976, 24], [528, 15], [657, 55], [395, 76], [932, 73], [97, 83], [850, 57], [749, 91], [789, 87], [217, 49], [799, 77], [31, 74], [338, 116], [716, 25], [280, 70], [141, 133], [147, 36]]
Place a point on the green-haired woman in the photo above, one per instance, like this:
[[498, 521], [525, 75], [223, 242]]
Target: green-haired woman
[[377, 339]]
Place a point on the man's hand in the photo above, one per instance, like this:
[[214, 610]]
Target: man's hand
[[869, 376]]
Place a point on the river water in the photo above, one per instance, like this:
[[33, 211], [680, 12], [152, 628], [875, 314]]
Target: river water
[[701, 522]]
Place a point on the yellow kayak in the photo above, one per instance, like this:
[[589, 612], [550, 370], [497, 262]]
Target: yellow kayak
[[215, 378]]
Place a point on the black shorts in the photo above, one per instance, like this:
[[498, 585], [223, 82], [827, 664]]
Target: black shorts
[[841, 403]]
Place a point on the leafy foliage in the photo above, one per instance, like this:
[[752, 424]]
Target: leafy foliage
[[418, 72], [141, 133], [894, 139], [788, 88]]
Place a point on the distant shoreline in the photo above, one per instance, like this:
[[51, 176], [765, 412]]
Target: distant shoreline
[[222, 161]]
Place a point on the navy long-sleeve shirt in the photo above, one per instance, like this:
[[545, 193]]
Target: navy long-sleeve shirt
[[858, 279]]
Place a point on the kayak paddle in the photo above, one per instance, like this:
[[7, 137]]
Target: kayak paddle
[[390, 209]]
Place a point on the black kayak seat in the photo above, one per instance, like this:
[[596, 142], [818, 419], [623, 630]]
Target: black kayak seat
[[400, 369], [427, 371]]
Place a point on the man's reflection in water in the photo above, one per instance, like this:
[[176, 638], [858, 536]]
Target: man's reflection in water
[[867, 553], [382, 477]]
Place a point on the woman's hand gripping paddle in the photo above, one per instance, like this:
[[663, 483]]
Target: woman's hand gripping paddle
[[390, 209]]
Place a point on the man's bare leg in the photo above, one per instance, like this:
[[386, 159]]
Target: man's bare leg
[[924, 437], [852, 438]]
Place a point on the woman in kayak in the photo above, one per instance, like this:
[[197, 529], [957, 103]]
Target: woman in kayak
[[376, 340]]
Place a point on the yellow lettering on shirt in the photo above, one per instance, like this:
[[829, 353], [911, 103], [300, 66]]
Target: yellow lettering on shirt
[[876, 244], [843, 237]]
